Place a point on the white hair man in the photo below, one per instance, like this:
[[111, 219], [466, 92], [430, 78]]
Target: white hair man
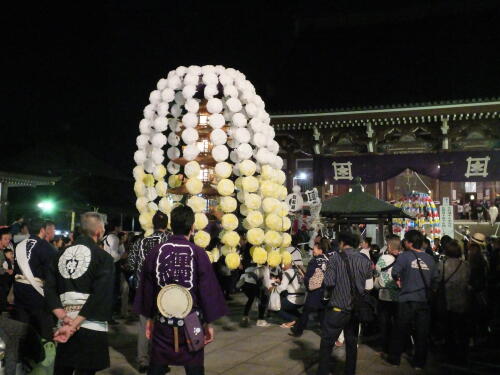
[[78, 291]]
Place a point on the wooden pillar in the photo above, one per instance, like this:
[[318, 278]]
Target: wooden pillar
[[4, 188], [291, 167]]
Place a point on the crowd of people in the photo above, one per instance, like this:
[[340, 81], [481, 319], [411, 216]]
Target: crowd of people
[[415, 295]]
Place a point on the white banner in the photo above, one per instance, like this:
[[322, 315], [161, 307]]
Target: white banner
[[446, 217]]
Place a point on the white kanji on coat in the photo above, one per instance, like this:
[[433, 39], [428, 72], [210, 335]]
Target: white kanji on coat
[[342, 171], [477, 167]]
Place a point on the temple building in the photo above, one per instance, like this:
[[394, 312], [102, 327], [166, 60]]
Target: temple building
[[445, 149]]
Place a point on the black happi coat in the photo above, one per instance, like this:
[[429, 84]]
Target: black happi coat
[[83, 274]]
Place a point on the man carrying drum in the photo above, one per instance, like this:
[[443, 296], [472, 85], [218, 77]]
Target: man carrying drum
[[179, 294]]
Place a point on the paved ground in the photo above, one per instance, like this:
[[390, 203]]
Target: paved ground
[[253, 350]]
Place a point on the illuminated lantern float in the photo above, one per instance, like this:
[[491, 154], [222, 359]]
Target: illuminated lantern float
[[205, 141], [422, 208]]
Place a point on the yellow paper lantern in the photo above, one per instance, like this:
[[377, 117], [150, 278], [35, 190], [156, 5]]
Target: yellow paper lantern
[[254, 219], [250, 184], [148, 180], [165, 206], [287, 240], [197, 204], [286, 224], [233, 261], [228, 204], [274, 222], [274, 258], [259, 255], [161, 188], [255, 236], [266, 172], [200, 221], [267, 189], [194, 185], [210, 256], [247, 167], [138, 172], [272, 238], [175, 181], [231, 238], [202, 239], [270, 204], [286, 258], [159, 172], [253, 201], [225, 187], [229, 222], [139, 189], [225, 250]]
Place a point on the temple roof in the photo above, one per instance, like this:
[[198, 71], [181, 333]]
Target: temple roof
[[390, 115], [358, 204]]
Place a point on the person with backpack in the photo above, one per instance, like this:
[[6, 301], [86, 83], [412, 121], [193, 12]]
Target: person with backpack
[[313, 281], [345, 279], [255, 282], [293, 293], [452, 296], [388, 290], [414, 272]]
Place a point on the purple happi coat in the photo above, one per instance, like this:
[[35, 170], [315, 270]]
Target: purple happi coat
[[178, 262]]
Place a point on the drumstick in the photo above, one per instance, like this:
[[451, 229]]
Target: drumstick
[[176, 339]]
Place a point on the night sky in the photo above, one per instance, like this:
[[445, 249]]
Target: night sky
[[81, 76]]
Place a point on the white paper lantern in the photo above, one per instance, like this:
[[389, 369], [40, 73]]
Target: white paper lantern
[[155, 97], [230, 91], [157, 156], [159, 140], [244, 151], [191, 151], [192, 105], [174, 125], [194, 69], [162, 109], [162, 83], [181, 70], [218, 137], [173, 168], [173, 153], [210, 78], [145, 126], [189, 91], [142, 141], [168, 95], [234, 156], [161, 124], [189, 136], [173, 139], [174, 82], [149, 111], [223, 170], [210, 91], [233, 104], [242, 135], [179, 98], [220, 153], [216, 121], [191, 80], [192, 169], [214, 105], [139, 157], [257, 125], [190, 120], [239, 120]]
